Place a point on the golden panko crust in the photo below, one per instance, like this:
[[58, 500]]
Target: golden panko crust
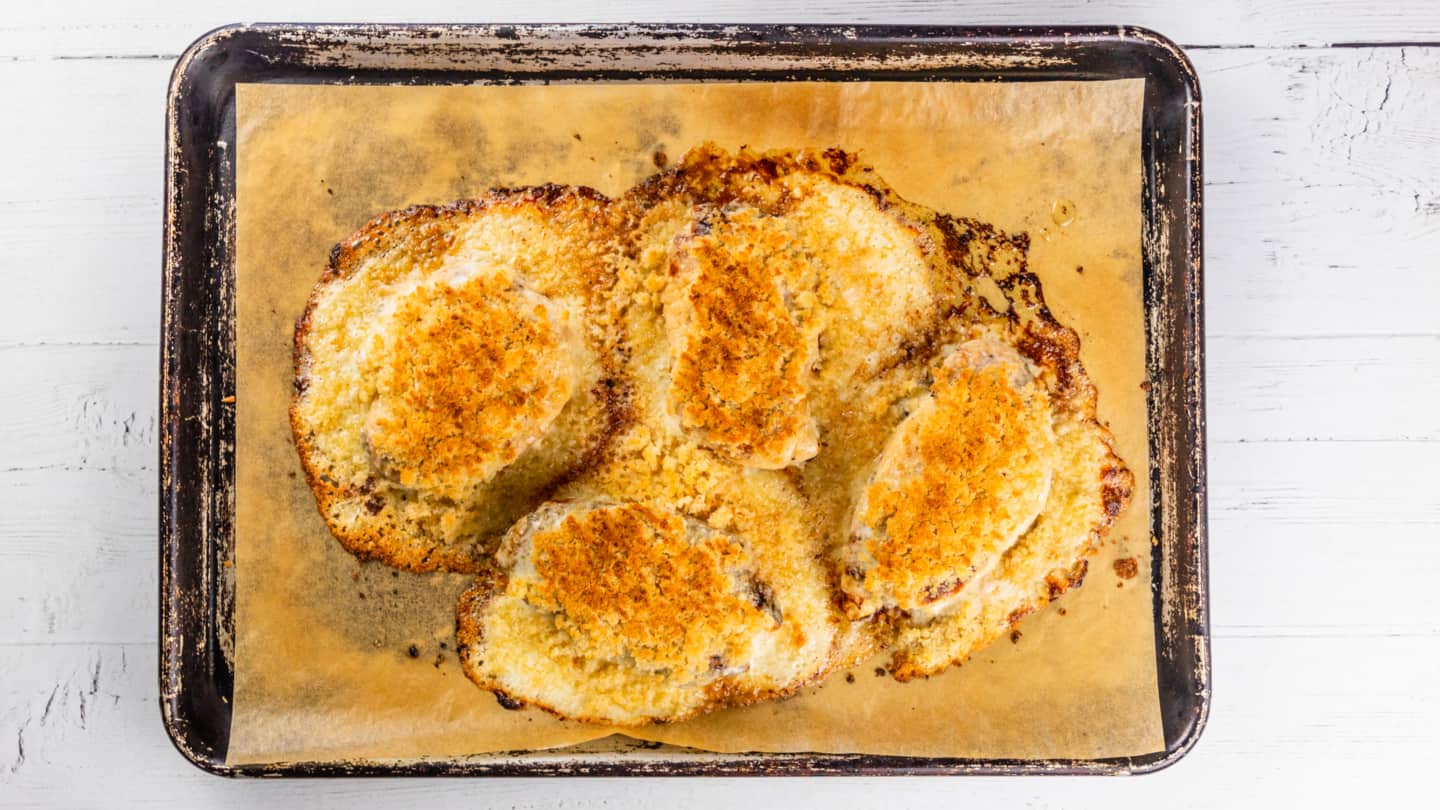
[[754, 421], [741, 360], [669, 615], [959, 480], [632, 580], [1090, 484], [451, 372], [800, 272], [977, 285], [472, 373]]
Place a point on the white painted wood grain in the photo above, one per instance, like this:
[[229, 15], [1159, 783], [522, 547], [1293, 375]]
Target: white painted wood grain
[[1322, 215], [1323, 227], [96, 412], [1354, 521], [1322, 197], [80, 195], [1323, 389], [1295, 721], [78, 561], [147, 27]]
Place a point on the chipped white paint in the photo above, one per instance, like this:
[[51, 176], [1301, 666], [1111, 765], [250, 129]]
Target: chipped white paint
[[149, 27], [1323, 288]]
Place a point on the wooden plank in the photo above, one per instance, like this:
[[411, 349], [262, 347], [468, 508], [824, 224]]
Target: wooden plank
[[1296, 720], [77, 564], [1307, 232], [85, 407], [142, 27], [1370, 487], [1322, 203], [1323, 388], [78, 560], [82, 173], [1325, 539]]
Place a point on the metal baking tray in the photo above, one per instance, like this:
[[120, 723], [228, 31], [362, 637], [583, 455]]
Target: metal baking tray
[[197, 337]]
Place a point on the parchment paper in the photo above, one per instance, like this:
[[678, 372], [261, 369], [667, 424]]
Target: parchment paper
[[338, 660]]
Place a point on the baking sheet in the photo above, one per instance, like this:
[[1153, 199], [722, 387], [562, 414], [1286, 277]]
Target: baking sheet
[[335, 660]]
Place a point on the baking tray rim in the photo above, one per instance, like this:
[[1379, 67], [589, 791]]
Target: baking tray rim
[[179, 608]]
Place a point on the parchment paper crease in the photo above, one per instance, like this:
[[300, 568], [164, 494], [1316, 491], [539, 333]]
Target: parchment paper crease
[[337, 660]]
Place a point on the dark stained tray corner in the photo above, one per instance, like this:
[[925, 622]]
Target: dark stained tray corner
[[197, 341]]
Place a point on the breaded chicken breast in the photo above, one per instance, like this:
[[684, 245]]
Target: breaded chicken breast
[[743, 339], [962, 477], [959, 477], [759, 294], [757, 420], [1015, 558], [627, 613], [779, 278], [752, 290], [450, 371]]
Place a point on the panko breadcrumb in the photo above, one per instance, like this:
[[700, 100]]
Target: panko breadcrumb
[[959, 481], [992, 294], [738, 312], [751, 423], [450, 372], [624, 613]]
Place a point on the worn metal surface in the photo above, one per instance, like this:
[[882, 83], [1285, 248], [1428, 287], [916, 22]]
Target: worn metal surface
[[197, 362]]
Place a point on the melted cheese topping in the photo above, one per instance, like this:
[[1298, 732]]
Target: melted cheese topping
[[628, 613], [452, 371], [961, 480], [471, 375], [743, 340], [637, 582], [783, 312], [874, 281]]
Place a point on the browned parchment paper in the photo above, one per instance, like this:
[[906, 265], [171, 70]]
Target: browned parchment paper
[[340, 660]]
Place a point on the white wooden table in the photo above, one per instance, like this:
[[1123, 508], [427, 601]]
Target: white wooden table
[[1322, 150]]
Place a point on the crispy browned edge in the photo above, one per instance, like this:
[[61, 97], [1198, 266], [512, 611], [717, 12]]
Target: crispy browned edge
[[470, 647], [1041, 338], [681, 181], [697, 174], [1045, 341], [383, 233]]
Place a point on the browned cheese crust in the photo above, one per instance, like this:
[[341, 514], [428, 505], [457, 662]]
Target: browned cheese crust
[[451, 372], [993, 293], [871, 363], [960, 478], [741, 358], [764, 420], [624, 613]]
